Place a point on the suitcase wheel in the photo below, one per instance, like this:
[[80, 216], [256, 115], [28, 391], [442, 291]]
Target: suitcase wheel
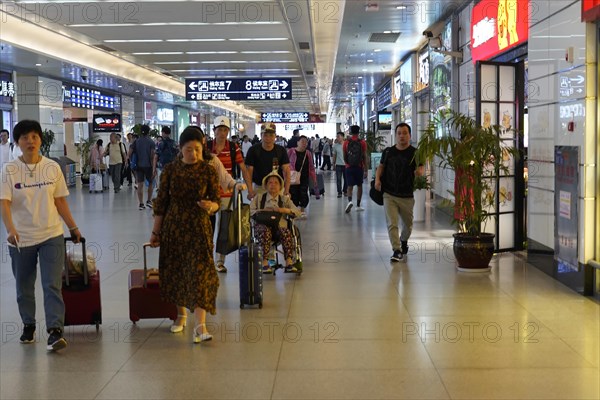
[[260, 305], [97, 326]]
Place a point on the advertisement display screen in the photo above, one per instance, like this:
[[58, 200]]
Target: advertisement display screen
[[422, 70], [106, 123], [384, 121]]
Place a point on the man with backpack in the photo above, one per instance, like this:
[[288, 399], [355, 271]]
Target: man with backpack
[[166, 151], [230, 155], [355, 157]]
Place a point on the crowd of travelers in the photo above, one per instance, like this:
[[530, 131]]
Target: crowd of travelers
[[197, 173]]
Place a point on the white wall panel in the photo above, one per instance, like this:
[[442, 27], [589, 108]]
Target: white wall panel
[[540, 224]]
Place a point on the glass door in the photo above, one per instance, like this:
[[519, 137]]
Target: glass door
[[500, 101]]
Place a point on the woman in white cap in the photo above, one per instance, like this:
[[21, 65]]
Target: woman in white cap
[[273, 200]]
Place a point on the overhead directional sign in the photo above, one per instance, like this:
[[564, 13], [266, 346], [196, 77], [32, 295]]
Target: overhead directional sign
[[284, 117], [238, 89]]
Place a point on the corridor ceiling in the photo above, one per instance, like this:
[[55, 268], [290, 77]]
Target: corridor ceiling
[[335, 51]]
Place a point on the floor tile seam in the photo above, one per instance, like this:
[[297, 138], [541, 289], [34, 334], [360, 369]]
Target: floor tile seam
[[120, 369], [540, 320], [410, 316], [287, 318]]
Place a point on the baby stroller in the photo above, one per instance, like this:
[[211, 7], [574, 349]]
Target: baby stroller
[[277, 247]]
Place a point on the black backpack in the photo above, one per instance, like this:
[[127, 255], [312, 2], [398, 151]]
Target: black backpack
[[354, 153], [168, 151], [320, 146]]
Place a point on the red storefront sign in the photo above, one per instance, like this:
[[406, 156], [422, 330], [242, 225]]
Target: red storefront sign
[[498, 25], [590, 10]]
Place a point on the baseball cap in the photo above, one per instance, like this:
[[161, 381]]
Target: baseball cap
[[222, 121], [267, 128]]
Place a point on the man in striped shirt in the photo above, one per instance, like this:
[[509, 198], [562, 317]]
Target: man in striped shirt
[[229, 153]]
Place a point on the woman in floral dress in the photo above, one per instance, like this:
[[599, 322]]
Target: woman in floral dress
[[188, 194]]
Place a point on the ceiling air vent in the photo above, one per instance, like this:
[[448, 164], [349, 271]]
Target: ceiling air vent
[[384, 37], [303, 45], [104, 47], [310, 72]]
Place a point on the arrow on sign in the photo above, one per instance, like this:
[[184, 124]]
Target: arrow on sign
[[284, 85], [193, 85], [580, 79]]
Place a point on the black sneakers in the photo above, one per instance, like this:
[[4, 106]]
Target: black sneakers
[[56, 341], [397, 256], [28, 335], [404, 245]]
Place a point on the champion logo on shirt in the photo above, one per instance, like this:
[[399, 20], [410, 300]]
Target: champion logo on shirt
[[31, 185]]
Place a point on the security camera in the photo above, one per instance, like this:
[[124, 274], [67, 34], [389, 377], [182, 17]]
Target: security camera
[[428, 34], [84, 74]]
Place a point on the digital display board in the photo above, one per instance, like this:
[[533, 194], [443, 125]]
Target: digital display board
[[81, 97], [238, 89], [384, 121], [106, 123]]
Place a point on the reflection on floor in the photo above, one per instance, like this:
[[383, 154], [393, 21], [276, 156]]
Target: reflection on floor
[[353, 326]]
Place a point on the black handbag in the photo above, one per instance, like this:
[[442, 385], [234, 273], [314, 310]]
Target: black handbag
[[268, 218], [376, 195], [234, 225]]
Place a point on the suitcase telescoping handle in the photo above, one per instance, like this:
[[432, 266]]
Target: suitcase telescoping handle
[[240, 201], [146, 245], [86, 274]]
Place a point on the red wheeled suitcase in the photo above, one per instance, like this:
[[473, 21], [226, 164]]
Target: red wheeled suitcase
[[144, 295], [81, 294]]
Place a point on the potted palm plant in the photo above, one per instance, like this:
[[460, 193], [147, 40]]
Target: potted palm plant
[[475, 153], [83, 150]]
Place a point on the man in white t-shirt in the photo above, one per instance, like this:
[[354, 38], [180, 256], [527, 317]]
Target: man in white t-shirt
[[5, 147]]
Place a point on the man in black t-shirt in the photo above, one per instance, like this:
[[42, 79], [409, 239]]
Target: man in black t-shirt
[[263, 157], [396, 175]]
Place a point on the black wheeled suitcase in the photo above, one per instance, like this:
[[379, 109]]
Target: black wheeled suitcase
[[251, 290], [320, 184], [81, 294], [250, 266]]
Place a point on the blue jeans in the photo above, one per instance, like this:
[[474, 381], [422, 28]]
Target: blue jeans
[[51, 255]]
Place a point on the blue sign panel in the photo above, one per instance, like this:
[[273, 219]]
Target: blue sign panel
[[238, 89]]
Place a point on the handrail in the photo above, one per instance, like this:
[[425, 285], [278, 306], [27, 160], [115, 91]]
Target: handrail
[[594, 264]]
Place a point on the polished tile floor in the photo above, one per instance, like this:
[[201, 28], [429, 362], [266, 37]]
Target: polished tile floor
[[353, 326]]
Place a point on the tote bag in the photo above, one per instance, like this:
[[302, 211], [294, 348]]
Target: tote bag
[[234, 225]]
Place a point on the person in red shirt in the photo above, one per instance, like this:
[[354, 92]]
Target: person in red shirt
[[228, 155], [355, 157]]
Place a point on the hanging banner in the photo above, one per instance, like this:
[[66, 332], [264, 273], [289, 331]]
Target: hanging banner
[[498, 25]]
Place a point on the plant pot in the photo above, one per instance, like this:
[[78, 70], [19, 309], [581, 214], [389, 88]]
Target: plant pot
[[85, 180], [473, 253], [419, 208]]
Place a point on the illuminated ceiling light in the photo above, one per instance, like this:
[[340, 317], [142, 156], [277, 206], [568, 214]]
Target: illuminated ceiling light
[[369, 61], [266, 52], [376, 50], [174, 24], [38, 65], [401, 7], [194, 40], [256, 39], [210, 52], [157, 53], [133, 41]]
